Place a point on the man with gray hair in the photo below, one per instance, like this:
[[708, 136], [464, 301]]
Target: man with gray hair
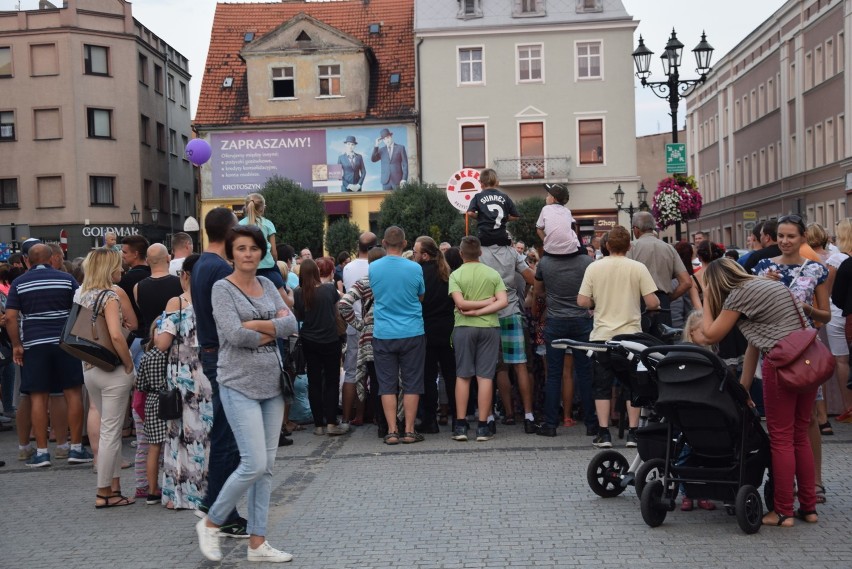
[[181, 249], [663, 263]]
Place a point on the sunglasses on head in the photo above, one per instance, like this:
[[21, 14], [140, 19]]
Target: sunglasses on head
[[793, 218]]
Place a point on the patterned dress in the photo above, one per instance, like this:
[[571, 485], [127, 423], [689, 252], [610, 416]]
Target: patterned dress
[[187, 446]]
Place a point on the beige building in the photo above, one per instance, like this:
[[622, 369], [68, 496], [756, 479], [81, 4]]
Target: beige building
[[540, 90], [94, 116], [767, 134]]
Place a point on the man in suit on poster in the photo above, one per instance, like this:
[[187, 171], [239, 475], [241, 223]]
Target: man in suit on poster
[[394, 160], [354, 170]]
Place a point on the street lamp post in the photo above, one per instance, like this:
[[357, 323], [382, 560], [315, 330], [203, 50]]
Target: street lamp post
[[673, 88], [642, 194]]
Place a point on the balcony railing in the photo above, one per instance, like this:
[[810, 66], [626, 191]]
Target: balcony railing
[[538, 168]]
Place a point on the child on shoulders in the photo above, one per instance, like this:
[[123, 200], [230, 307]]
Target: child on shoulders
[[554, 225]]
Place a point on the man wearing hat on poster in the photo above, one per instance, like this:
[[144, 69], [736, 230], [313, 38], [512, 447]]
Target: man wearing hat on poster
[[554, 225], [354, 171], [394, 160]]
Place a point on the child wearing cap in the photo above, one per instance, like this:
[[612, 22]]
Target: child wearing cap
[[554, 224]]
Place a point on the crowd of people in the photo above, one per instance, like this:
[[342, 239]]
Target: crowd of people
[[409, 334]]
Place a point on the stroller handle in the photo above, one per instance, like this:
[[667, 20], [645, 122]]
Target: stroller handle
[[565, 343], [646, 354]]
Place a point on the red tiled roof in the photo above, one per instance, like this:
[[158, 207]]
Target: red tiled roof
[[393, 49]]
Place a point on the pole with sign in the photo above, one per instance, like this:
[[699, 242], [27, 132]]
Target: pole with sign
[[676, 158], [461, 188]]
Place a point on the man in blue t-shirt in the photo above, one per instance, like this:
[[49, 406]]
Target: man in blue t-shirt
[[399, 339]]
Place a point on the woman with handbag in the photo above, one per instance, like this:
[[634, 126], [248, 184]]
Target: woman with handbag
[[187, 441], [250, 315], [315, 305], [108, 390], [766, 313]]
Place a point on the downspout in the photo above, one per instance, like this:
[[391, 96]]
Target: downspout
[[417, 121]]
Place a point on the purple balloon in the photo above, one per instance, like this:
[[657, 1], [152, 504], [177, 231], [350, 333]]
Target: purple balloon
[[198, 151]]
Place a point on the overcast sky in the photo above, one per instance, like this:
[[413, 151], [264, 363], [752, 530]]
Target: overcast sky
[[186, 24]]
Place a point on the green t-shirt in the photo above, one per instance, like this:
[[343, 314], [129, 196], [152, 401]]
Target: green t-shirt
[[476, 281]]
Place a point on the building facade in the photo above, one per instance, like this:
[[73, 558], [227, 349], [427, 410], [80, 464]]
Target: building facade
[[540, 90], [93, 111], [321, 93], [767, 133]]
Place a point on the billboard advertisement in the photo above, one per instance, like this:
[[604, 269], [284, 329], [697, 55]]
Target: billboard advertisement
[[333, 160]]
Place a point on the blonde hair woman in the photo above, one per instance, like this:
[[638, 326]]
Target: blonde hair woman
[[108, 390], [255, 208]]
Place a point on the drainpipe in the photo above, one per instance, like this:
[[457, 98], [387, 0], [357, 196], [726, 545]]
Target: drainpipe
[[169, 151], [417, 121]]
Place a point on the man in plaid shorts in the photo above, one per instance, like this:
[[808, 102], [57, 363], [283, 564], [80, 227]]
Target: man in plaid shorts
[[492, 209]]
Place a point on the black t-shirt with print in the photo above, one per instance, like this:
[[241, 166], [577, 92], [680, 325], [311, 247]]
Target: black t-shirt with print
[[493, 209]]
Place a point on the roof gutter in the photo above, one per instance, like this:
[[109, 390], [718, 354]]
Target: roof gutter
[[417, 123]]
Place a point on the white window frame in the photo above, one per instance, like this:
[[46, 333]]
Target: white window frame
[[184, 94], [577, 44], [273, 79], [462, 125], [89, 48], [518, 47], [459, 49], [113, 190], [829, 58], [170, 86], [91, 133], [590, 117], [330, 75]]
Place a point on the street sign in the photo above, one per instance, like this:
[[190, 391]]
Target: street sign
[[463, 185], [63, 240], [676, 158], [749, 215]]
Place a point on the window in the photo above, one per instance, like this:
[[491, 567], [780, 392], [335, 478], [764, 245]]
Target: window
[[770, 164], [172, 142], [770, 95], [809, 70], [99, 123], [829, 57], [44, 60], [7, 125], [184, 94], [841, 46], [829, 141], [161, 137], [48, 124], [187, 204], [591, 141], [841, 128], [158, 79], [175, 202], [469, 9], [329, 80], [473, 146], [9, 193], [283, 83], [530, 63], [819, 70], [584, 6], [589, 60], [184, 141], [144, 130], [528, 8], [761, 100], [101, 190], [170, 86], [532, 150], [49, 192], [96, 59], [5, 61], [143, 69], [819, 146], [809, 148], [471, 67]]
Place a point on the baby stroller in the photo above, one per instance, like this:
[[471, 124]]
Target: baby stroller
[[729, 451]]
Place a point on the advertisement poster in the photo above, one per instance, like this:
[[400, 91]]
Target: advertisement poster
[[334, 160]]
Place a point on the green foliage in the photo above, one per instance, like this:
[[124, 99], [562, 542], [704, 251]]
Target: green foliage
[[342, 235], [298, 214], [524, 228], [422, 209]]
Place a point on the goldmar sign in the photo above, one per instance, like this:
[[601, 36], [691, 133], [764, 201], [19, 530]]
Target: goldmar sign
[[101, 231]]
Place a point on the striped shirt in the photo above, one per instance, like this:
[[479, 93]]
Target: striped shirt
[[43, 297], [768, 312]]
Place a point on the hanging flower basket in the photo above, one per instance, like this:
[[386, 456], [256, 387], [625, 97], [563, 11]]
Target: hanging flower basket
[[677, 199]]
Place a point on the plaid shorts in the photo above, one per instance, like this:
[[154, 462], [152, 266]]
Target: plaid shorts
[[512, 339]]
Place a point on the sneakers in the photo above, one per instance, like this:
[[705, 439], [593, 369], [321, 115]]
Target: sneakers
[[199, 512], [460, 432], [337, 430], [26, 453], [268, 554], [39, 459], [61, 453], [546, 431], [237, 529], [492, 427], [631, 439], [153, 499], [81, 456], [530, 427], [483, 434], [603, 440], [208, 540], [319, 431]]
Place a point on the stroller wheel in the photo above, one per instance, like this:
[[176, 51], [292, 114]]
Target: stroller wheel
[[749, 509], [651, 506], [605, 473], [649, 470]]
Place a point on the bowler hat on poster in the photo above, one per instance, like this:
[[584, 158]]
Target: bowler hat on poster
[[385, 132], [351, 139]]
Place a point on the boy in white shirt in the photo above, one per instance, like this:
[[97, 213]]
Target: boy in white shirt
[[554, 223]]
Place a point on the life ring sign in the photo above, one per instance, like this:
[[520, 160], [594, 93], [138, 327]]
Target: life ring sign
[[461, 188]]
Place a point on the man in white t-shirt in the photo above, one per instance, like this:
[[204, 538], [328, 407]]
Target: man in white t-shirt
[[181, 249], [353, 272]]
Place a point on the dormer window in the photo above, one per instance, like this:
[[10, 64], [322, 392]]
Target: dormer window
[[470, 9], [528, 8], [587, 6]]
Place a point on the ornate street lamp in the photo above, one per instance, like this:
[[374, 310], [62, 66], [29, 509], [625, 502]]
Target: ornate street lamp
[[155, 215], [618, 194], [134, 215], [643, 198]]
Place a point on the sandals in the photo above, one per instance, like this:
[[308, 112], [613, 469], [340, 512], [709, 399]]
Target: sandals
[[820, 493], [411, 438], [779, 523], [391, 438], [118, 502], [568, 422], [809, 516], [825, 429], [293, 427]]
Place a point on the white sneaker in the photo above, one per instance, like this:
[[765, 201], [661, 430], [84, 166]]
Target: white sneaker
[[208, 540], [268, 553], [336, 430]]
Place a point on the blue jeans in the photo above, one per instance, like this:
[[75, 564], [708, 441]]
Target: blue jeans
[[224, 454], [575, 329], [256, 424]]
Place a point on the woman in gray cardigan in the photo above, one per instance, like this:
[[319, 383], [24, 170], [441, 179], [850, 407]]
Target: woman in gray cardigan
[[250, 315]]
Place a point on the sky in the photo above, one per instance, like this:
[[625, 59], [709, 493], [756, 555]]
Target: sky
[[186, 25]]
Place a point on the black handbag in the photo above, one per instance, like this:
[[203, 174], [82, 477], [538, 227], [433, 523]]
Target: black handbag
[[86, 335], [170, 401]]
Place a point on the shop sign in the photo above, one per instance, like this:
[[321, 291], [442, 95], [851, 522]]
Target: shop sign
[[96, 231]]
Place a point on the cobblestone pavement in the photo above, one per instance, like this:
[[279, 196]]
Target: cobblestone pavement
[[516, 501]]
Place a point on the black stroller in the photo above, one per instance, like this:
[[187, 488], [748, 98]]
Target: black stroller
[[728, 449]]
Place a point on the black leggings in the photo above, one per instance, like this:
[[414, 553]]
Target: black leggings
[[323, 367], [438, 354]]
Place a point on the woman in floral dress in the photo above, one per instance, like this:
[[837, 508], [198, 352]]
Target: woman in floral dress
[[187, 446]]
